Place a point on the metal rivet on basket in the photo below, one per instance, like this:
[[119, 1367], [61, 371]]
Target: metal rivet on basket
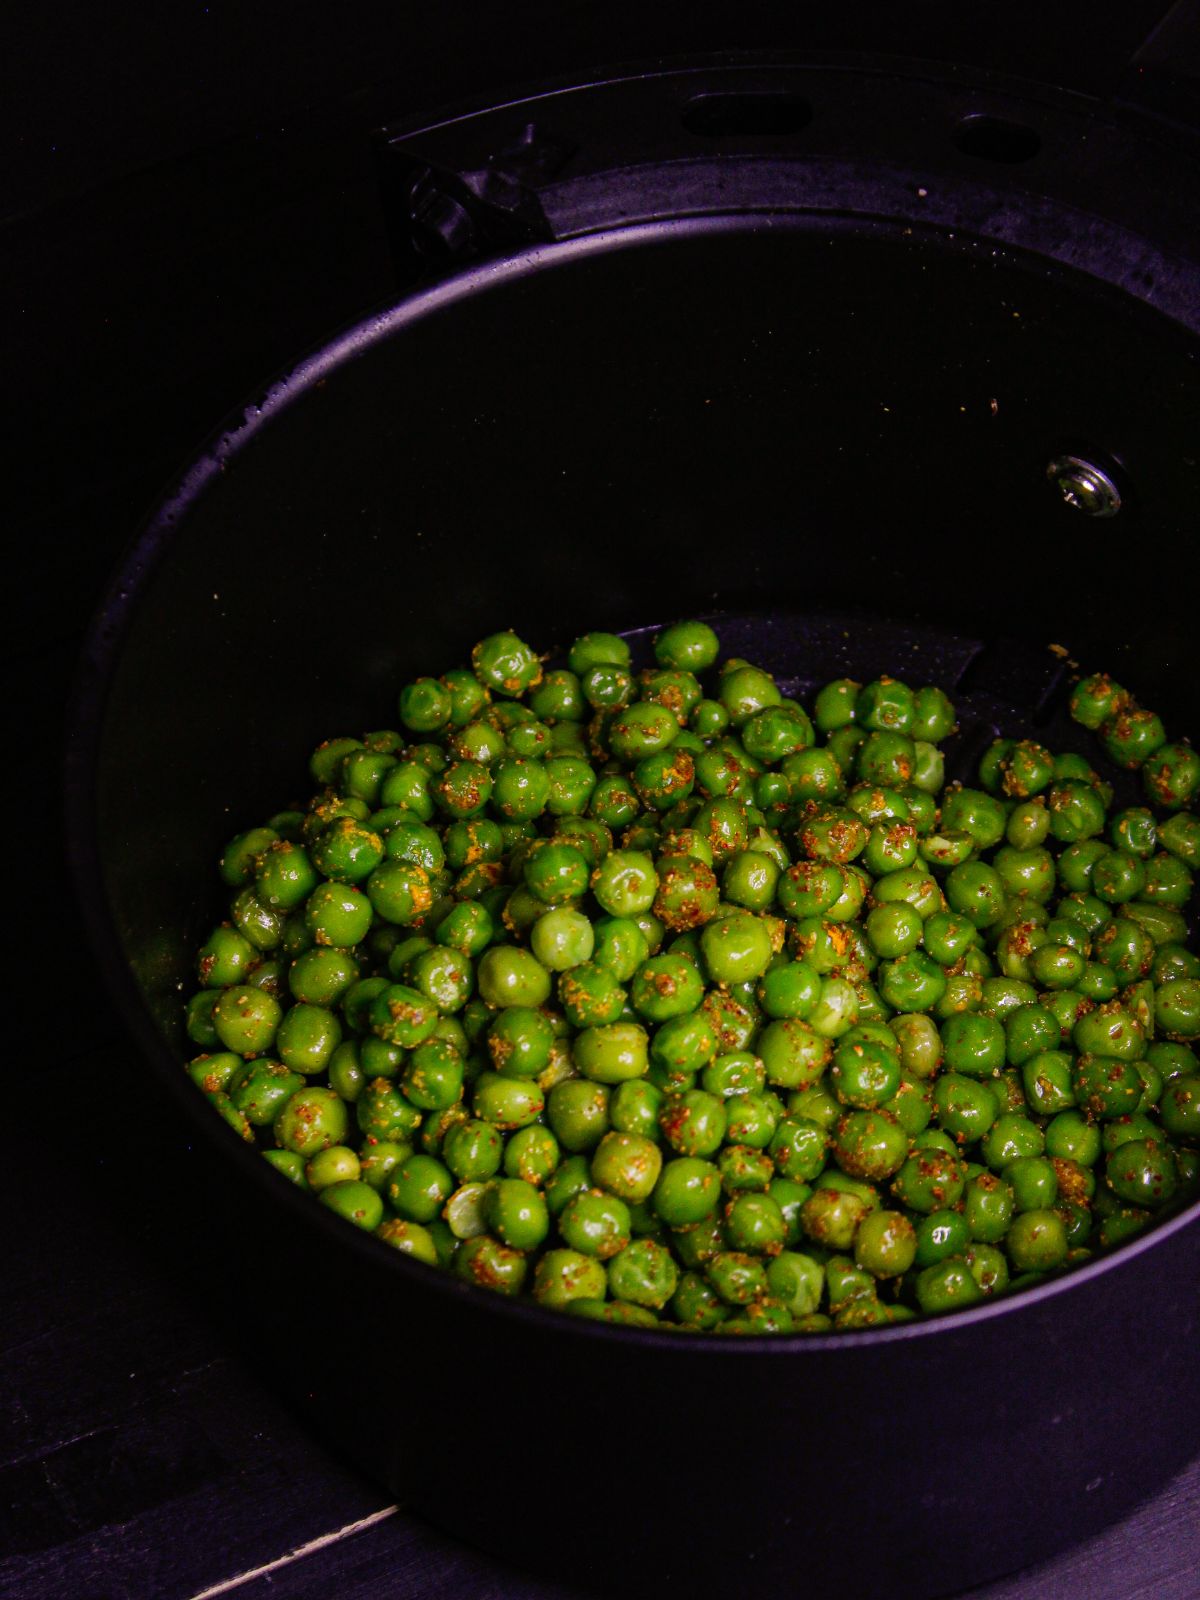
[[1085, 486]]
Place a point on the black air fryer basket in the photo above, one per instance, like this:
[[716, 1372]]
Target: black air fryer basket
[[880, 370]]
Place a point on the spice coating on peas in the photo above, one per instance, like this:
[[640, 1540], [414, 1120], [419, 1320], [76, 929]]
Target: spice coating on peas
[[626, 981]]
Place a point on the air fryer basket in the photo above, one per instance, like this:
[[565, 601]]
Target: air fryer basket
[[832, 429]]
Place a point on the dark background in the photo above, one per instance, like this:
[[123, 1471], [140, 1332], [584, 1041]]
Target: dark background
[[188, 201]]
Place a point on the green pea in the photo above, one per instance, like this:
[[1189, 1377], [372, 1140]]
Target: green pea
[[345, 1070], [519, 1042], [885, 1245], [1070, 1136], [1076, 811], [1047, 1080], [1028, 824], [870, 1144], [1180, 1107], [1029, 1029], [225, 958], [830, 1217], [1172, 1060], [793, 1054], [744, 1168], [666, 986], [810, 888], [377, 1162], [1012, 1136], [410, 1238], [419, 1187], [520, 788], [1057, 966], [633, 1108], [836, 1012], [1034, 1182], [894, 930], [467, 696], [510, 976], [752, 1119], [1002, 996], [403, 1016], [976, 892], [798, 1148], [1105, 1087], [505, 664], [611, 1054], [246, 1020], [988, 1206], [321, 977], [834, 706], [933, 716], [1036, 1241], [1131, 735], [311, 1120], [1168, 887], [737, 948], [285, 876], [974, 1044], [491, 1264], [198, 1021], [516, 1213], [693, 1123], [865, 1075], [307, 1037], [737, 1277], [506, 1102], [973, 812], [754, 1224], [291, 1165], [682, 1046], [929, 1180], [1110, 1030], [791, 989], [628, 1165], [555, 872], [213, 1074], [625, 883], [577, 1111], [964, 1107], [690, 646], [1171, 775], [261, 1092], [1124, 947], [1176, 1009], [597, 649], [241, 855], [1095, 699], [1180, 835], [939, 1235], [229, 1113], [643, 1273], [885, 757], [920, 1044], [355, 1201], [473, 1150], [947, 1286]]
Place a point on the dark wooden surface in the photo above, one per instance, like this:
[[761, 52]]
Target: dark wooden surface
[[143, 1453]]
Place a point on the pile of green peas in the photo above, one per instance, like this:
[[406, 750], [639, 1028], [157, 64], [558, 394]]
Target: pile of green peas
[[669, 1002]]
